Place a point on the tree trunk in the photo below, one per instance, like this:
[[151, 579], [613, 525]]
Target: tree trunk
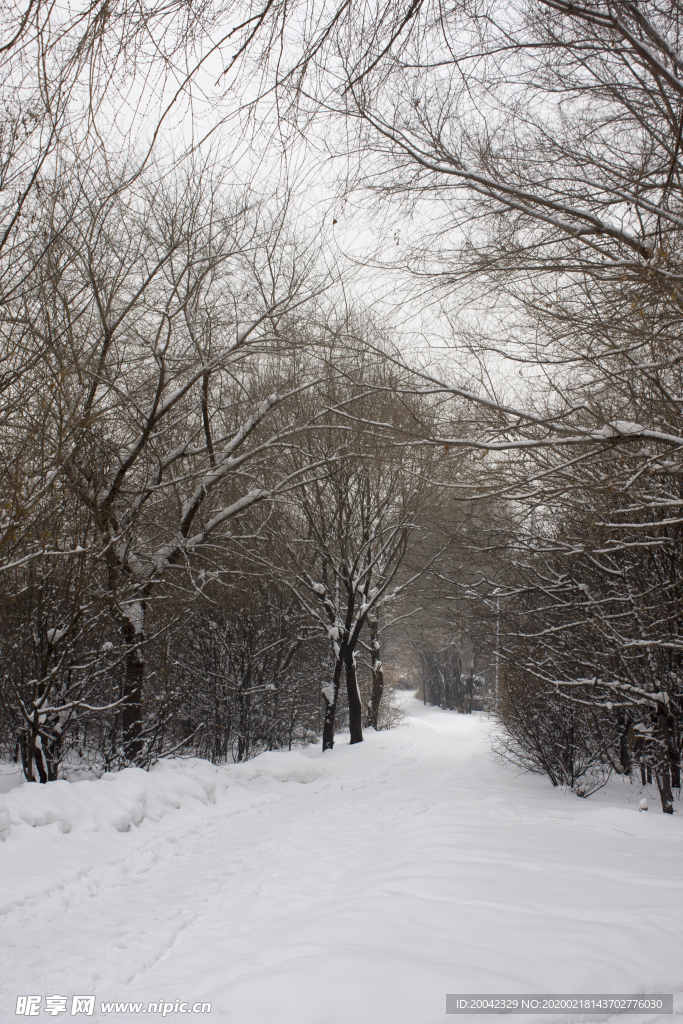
[[372, 719], [355, 704], [625, 724], [331, 694], [666, 727], [40, 746], [32, 755], [131, 708], [243, 719], [663, 777], [469, 693]]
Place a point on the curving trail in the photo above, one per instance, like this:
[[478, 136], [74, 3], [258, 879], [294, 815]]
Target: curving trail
[[389, 874]]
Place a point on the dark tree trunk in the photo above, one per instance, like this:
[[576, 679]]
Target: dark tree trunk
[[372, 719], [624, 750], [40, 745], [131, 708], [666, 727], [377, 694], [217, 742], [32, 754], [663, 777], [331, 695], [355, 705], [469, 693], [243, 737], [458, 703]]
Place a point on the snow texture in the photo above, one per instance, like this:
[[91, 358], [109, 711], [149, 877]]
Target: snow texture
[[118, 801], [360, 885], [328, 693]]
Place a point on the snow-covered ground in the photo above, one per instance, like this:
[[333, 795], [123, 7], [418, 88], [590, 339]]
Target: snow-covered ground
[[355, 887]]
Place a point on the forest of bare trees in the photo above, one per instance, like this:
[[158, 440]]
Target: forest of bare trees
[[235, 484]]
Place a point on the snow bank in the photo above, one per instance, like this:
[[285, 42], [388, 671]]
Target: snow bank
[[118, 800], [122, 800], [295, 767]]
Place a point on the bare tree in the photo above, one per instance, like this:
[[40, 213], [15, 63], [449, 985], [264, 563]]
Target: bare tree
[[345, 533], [162, 319]]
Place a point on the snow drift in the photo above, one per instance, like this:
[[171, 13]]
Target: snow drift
[[120, 801]]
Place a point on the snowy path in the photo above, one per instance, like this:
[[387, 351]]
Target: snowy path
[[399, 870]]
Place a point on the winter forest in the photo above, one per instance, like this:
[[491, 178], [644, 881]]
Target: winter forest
[[341, 449], [334, 338]]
